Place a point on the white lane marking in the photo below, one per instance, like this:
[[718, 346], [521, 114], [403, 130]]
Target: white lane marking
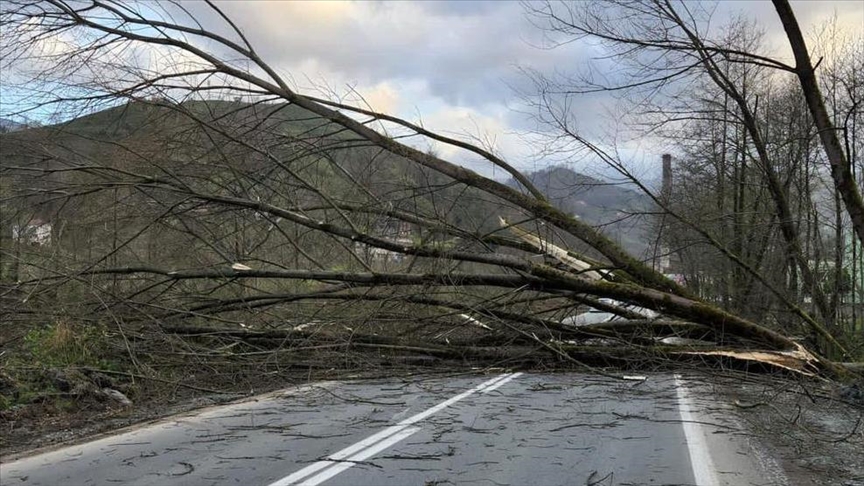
[[361, 456], [383, 435], [500, 383], [697, 446], [341, 455], [446, 403]]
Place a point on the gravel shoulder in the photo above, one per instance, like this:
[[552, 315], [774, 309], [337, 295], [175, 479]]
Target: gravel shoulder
[[813, 429]]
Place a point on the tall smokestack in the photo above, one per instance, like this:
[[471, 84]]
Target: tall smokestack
[[667, 177]]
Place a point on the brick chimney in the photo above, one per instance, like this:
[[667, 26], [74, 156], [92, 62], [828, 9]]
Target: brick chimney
[[666, 191]]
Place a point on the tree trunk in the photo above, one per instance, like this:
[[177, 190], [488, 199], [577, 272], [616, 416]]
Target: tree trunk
[[841, 170]]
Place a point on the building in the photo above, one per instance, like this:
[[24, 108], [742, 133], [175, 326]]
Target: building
[[35, 232]]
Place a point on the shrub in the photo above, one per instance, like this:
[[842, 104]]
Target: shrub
[[64, 344]]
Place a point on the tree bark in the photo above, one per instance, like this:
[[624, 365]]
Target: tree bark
[[841, 170]]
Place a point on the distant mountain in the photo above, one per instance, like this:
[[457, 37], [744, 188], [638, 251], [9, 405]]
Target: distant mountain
[[7, 125], [611, 207]]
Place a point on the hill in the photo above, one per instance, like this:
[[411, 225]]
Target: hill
[[7, 125], [275, 153], [167, 137], [612, 207]]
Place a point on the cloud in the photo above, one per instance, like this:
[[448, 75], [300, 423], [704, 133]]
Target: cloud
[[455, 65], [465, 124], [444, 59], [451, 64], [489, 129], [812, 17], [382, 97], [463, 52]]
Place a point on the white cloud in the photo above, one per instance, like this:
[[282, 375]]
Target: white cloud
[[450, 64], [466, 124], [382, 97]]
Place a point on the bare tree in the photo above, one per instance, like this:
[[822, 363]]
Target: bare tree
[[236, 199], [682, 75], [841, 167]]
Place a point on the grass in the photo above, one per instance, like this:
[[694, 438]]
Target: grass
[[63, 344], [57, 347]]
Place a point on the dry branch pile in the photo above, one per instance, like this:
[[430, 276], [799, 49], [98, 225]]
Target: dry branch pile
[[286, 229]]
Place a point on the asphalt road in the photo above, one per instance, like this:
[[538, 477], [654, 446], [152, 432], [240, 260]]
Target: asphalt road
[[537, 429]]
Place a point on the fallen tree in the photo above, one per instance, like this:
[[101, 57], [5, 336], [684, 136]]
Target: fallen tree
[[190, 215]]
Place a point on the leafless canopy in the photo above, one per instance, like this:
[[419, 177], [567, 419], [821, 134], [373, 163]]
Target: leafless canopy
[[189, 187]]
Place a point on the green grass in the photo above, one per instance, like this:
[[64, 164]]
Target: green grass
[[59, 346], [63, 344]]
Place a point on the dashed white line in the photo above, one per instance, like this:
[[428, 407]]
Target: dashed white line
[[697, 446], [368, 447]]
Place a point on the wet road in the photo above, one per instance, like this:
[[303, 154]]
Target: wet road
[[511, 428]]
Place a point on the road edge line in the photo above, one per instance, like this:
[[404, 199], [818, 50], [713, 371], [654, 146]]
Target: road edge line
[[700, 457]]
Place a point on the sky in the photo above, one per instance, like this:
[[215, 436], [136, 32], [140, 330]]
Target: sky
[[456, 66]]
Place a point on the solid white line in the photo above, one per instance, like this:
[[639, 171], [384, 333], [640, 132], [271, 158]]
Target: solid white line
[[384, 436], [501, 383], [697, 446], [361, 456]]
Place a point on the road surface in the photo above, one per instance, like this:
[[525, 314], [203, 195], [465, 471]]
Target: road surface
[[504, 429]]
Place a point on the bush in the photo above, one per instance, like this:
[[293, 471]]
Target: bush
[[43, 369], [63, 344]]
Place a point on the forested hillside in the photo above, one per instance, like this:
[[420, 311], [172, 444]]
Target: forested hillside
[[616, 208]]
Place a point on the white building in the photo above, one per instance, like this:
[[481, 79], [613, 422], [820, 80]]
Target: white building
[[33, 232]]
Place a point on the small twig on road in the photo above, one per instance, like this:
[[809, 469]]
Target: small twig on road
[[740, 404], [425, 457], [592, 482], [673, 421], [313, 436], [571, 426], [189, 469], [850, 434]]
